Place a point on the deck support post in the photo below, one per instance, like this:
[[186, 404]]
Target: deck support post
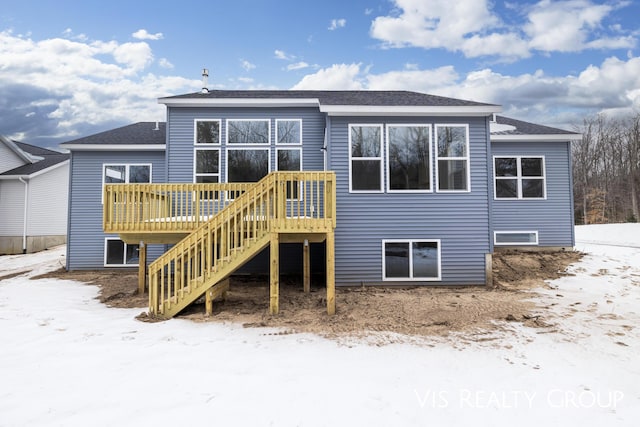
[[488, 266], [331, 277], [220, 289], [274, 287], [142, 267], [306, 267]]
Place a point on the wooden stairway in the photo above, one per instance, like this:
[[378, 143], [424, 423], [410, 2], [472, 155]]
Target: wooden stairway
[[283, 206]]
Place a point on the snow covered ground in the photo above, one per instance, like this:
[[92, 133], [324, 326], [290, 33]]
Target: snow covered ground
[[67, 360]]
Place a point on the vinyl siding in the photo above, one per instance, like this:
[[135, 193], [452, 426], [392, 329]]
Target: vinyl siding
[[48, 196], [180, 128], [9, 159], [180, 147], [460, 221], [85, 237], [11, 208], [552, 218]]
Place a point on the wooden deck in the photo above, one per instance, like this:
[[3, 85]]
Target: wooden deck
[[216, 228]]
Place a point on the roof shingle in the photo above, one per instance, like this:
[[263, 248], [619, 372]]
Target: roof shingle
[[141, 133], [387, 98]]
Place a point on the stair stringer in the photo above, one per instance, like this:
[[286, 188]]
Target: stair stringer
[[257, 203], [170, 309]]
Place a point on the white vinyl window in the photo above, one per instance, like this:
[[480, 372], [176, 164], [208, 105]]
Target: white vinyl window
[[408, 158], [365, 158], [405, 260], [248, 160], [247, 164], [515, 238], [206, 156], [288, 131], [248, 131], [519, 177], [126, 174], [290, 160], [120, 254], [452, 158], [206, 131]]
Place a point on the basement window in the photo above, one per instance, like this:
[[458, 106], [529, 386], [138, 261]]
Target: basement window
[[119, 254], [405, 260], [515, 238]]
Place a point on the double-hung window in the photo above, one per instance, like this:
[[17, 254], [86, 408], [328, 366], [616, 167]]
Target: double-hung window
[[207, 151], [519, 177], [248, 149], [411, 259], [365, 158], [289, 150], [408, 158], [452, 158]]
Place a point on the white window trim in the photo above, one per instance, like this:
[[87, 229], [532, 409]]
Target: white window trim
[[387, 146], [195, 133], [126, 171], [285, 147], [106, 239], [519, 177], [411, 278], [495, 240], [260, 144], [467, 157], [239, 147], [289, 120], [381, 158], [289, 147], [195, 161]]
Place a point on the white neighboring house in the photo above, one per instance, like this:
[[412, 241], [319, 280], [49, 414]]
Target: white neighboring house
[[34, 192]]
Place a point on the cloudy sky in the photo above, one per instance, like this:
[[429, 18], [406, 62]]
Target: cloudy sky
[[73, 68]]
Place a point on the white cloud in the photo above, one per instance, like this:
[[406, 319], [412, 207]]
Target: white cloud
[[68, 33], [338, 76], [281, 54], [614, 85], [417, 80], [297, 66], [368, 11], [566, 26], [135, 55], [248, 66], [76, 88], [433, 23], [471, 27], [164, 63], [142, 34], [337, 23]]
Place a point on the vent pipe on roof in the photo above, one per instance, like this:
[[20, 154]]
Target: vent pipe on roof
[[205, 78], [157, 126]]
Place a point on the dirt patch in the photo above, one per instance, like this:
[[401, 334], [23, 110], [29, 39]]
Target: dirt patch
[[420, 311]]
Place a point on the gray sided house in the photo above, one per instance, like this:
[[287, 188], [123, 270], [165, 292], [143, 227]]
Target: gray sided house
[[33, 197], [134, 153], [426, 187]]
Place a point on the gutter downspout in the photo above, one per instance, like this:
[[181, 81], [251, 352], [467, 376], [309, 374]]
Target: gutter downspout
[[26, 211]]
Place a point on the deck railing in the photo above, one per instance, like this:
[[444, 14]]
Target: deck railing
[[282, 202], [140, 208]]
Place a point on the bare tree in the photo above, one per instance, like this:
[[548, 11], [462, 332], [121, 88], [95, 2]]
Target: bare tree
[[607, 170]]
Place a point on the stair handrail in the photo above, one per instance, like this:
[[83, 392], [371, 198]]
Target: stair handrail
[[261, 209]]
